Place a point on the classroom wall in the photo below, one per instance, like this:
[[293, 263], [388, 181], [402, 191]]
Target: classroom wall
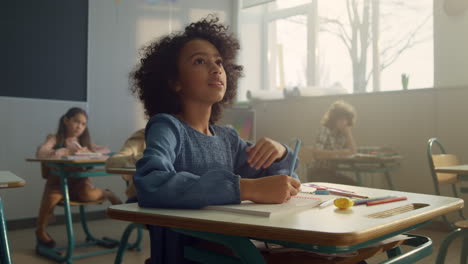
[[117, 29]]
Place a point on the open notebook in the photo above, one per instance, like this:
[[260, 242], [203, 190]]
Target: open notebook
[[299, 202], [86, 156]]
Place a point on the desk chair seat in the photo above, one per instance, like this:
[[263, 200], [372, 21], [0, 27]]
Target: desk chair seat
[[78, 203]]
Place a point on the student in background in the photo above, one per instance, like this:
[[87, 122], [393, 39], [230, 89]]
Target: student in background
[[334, 140], [184, 81], [72, 137], [131, 152]]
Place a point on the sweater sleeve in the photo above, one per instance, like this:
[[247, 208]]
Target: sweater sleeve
[[159, 185], [245, 171]]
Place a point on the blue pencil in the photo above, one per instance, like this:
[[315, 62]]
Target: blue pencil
[[295, 154], [364, 201]]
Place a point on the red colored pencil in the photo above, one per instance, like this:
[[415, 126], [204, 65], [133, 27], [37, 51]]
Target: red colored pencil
[[387, 200]]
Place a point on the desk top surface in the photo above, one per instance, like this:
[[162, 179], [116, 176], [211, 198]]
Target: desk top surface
[[321, 226], [10, 180], [66, 161], [368, 158], [122, 170], [453, 169]]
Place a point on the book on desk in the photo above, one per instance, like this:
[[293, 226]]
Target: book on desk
[[86, 156], [302, 201]]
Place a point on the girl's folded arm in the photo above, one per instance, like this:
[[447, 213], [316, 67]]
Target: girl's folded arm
[[243, 168], [46, 150], [160, 185]]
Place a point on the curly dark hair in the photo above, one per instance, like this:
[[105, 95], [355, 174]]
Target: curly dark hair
[[152, 80]]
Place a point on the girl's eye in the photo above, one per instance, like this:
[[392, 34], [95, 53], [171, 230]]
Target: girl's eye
[[219, 62], [199, 61]]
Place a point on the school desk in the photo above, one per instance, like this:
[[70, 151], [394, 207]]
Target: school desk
[[461, 170], [326, 230], [368, 164], [7, 180], [76, 169]]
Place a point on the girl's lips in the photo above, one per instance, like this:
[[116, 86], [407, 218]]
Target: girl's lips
[[219, 84]]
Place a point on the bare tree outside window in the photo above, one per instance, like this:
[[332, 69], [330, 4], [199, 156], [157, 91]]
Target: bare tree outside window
[[354, 29]]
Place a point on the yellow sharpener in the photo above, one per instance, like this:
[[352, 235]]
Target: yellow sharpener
[[343, 203]]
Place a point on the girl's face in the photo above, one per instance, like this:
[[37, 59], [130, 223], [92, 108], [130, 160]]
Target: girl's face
[[75, 125], [341, 124], [202, 77]]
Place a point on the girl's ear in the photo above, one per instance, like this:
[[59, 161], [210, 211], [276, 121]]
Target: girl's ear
[[175, 85]]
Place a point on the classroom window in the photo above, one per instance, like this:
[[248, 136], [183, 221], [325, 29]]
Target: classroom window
[[287, 52], [336, 46]]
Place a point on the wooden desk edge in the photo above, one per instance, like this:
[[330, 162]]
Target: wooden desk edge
[[455, 171], [67, 161], [125, 171], [275, 233], [13, 184]]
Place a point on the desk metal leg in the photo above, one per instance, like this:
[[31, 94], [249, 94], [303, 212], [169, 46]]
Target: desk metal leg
[[358, 175], [446, 243], [464, 249], [124, 245], [389, 180], [388, 176], [69, 223], [422, 247], [4, 247], [54, 253]]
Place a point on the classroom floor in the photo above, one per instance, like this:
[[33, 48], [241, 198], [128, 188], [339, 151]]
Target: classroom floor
[[22, 243]]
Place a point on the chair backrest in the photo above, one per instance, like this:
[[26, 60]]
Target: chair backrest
[[439, 160], [442, 160]]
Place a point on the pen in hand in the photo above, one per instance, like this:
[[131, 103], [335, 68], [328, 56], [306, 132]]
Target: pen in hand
[[294, 159]]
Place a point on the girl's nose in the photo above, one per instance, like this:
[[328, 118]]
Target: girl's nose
[[215, 68]]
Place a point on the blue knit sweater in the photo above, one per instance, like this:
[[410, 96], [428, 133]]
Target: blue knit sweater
[[183, 168]]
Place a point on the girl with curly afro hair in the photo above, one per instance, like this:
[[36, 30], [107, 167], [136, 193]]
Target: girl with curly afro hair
[[334, 140], [184, 80]]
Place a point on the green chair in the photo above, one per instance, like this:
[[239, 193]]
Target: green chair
[[442, 159], [460, 227]]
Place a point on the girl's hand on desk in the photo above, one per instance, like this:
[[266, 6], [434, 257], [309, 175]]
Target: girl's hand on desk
[[264, 153], [72, 145], [272, 189], [83, 149]]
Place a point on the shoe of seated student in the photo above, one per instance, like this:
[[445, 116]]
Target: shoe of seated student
[[46, 243]]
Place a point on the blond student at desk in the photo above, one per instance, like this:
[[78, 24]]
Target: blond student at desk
[[129, 154], [334, 140], [184, 81], [72, 137]]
